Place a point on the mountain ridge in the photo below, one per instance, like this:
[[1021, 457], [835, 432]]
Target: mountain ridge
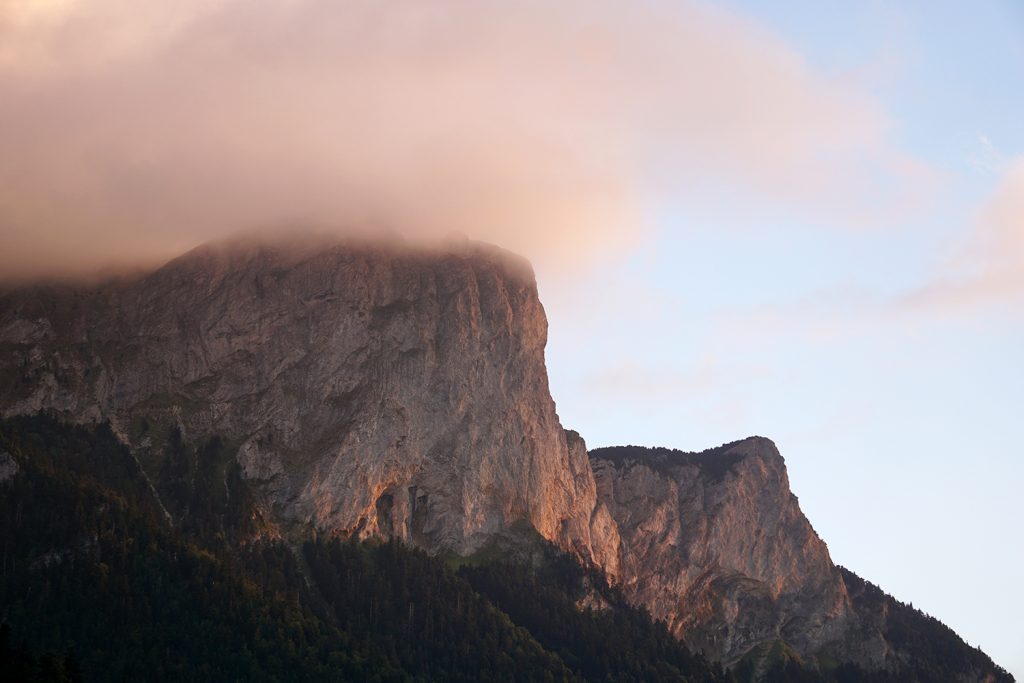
[[385, 391]]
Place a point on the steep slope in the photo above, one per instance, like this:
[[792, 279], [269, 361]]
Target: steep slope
[[368, 390], [715, 545], [738, 564], [348, 389]]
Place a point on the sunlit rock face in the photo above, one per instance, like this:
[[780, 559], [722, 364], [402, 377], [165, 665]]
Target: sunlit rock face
[[371, 390], [715, 545], [398, 392]]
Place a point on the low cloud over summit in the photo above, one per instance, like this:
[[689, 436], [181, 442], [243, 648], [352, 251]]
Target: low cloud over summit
[[131, 134]]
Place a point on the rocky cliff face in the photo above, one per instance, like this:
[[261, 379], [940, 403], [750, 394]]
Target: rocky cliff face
[[366, 390], [403, 393], [716, 545], [736, 562]]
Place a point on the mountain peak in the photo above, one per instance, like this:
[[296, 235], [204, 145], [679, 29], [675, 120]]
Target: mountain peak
[[732, 532], [368, 388]]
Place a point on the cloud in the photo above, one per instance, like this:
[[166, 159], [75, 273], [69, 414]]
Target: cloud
[[986, 158], [653, 384], [989, 268], [135, 129], [985, 274]]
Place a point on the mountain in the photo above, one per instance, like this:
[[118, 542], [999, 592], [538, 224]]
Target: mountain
[[289, 392], [368, 390], [739, 572], [737, 561]]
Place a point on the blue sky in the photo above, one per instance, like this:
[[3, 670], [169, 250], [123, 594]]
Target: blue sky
[[742, 315]]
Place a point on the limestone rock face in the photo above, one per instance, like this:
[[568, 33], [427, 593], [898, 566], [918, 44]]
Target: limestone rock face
[[399, 392], [715, 545], [378, 391]]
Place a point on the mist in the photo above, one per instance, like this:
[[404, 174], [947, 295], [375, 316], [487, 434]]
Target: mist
[[132, 131]]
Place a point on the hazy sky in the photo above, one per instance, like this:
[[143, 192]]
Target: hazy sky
[[801, 220]]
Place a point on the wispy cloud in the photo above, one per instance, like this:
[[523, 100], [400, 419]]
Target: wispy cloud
[[652, 383], [983, 273], [135, 129], [986, 158], [989, 268]]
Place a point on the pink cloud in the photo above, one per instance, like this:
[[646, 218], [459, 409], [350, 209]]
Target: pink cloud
[[990, 267], [653, 383], [132, 130], [985, 274]]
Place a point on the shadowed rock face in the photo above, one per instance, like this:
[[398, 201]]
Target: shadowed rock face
[[366, 390], [716, 545]]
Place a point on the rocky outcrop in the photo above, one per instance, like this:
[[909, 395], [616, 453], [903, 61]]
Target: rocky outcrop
[[715, 545], [369, 390]]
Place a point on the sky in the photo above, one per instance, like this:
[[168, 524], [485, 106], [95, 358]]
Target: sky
[[882, 354], [799, 220]]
